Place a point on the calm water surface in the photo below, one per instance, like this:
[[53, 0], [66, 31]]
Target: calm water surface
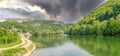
[[77, 46]]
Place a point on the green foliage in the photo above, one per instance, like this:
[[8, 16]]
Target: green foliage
[[98, 46], [10, 25], [14, 52], [53, 31], [44, 27], [36, 27], [104, 20], [8, 38], [49, 41]]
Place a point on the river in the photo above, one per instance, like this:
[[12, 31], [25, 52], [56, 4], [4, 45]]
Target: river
[[77, 46]]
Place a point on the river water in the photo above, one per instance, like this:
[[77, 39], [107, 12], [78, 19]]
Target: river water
[[77, 46]]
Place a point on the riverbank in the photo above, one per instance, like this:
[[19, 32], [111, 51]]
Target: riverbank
[[29, 51], [27, 44], [77, 46]]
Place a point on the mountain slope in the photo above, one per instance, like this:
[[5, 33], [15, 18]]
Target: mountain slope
[[104, 20]]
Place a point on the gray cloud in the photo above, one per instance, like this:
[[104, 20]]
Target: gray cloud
[[71, 10]]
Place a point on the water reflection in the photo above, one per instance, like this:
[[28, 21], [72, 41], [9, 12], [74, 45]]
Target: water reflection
[[99, 46], [77, 46], [50, 41], [67, 49]]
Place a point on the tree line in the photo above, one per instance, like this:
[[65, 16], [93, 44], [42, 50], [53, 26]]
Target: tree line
[[104, 20]]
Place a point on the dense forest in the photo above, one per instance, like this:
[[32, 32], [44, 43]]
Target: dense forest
[[36, 27], [104, 20], [8, 38]]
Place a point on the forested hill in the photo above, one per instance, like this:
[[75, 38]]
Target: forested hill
[[104, 20]]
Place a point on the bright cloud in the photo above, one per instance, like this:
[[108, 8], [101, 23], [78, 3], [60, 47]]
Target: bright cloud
[[15, 4]]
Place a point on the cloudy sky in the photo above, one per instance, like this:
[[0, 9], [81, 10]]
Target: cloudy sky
[[19, 4], [63, 10]]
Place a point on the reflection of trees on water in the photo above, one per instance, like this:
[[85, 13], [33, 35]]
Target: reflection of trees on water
[[50, 41], [99, 46]]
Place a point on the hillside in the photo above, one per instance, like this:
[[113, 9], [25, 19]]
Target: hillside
[[104, 20], [36, 27]]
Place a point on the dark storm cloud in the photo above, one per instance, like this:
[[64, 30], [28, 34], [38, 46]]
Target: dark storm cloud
[[69, 9]]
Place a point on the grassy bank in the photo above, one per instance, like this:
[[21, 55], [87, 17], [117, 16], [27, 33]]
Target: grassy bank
[[8, 39], [14, 52], [10, 44]]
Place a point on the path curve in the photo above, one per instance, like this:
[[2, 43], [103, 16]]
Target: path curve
[[26, 43], [23, 42]]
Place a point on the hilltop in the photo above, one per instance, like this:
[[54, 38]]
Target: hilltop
[[104, 20]]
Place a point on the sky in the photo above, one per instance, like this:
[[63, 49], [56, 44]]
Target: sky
[[18, 4], [63, 10]]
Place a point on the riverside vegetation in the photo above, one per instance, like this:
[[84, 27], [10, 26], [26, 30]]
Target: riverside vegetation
[[104, 20], [9, 30], [8, 39]]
